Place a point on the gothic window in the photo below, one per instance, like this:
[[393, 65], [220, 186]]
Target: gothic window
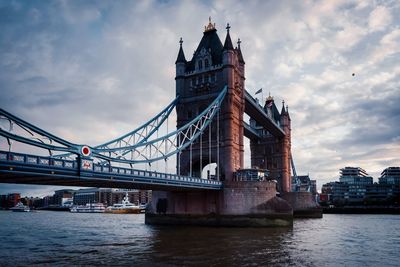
[[206, 64], [200, 64]]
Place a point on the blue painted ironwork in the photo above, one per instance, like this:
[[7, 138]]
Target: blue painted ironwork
[[34, 136], [25, 166], [134, 147], [137, 136], [144, 151], [170, 144]]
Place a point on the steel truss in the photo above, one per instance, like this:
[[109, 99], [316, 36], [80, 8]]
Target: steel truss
[[168, 145], [131, 148], [137, 136], [14, 128]]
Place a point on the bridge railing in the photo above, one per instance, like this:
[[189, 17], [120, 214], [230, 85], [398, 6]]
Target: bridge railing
[[152, 174], [49, 162], [26, 159]]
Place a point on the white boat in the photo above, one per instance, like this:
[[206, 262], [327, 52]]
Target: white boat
[[143, 208], [124, 207], [89, 208], [20, 208]]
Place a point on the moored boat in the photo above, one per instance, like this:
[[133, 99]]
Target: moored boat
[[124, 207], [89, 208], [20, 208]]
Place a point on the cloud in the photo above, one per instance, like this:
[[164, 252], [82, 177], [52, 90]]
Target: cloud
[[387, 47], [379, 19], [284, 70], [349, 36]]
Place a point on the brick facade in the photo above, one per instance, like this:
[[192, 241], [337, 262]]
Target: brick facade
[[198, 82]]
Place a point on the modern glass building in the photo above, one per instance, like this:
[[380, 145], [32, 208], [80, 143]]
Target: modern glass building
[[390, 175], [355, 176], [356, 187]]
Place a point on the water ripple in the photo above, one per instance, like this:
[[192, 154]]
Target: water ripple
[[65, 239]]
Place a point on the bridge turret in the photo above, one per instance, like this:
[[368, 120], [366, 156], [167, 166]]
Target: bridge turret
[[234, 106], [283, 111], [240, 57], [213, 66], [285, 118], [286, 149], [273, 152], [228, 51], [180, 65]]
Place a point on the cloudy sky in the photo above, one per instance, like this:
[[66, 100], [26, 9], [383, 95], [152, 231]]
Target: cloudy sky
[[89, 71]]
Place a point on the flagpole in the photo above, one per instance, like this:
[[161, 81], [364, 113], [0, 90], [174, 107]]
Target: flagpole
[[262, 94]]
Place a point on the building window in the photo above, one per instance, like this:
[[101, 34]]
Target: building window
[[206, 64], [200, 64], [189, 114]]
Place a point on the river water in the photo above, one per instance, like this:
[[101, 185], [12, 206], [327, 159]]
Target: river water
[[64, 239]]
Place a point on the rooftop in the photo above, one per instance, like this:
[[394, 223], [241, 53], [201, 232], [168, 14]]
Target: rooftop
[[353, 171]]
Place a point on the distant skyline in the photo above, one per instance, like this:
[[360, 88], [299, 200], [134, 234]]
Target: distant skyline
[[89, 71]]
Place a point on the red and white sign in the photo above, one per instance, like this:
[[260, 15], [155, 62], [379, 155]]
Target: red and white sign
[[86, 164], [85, 150]]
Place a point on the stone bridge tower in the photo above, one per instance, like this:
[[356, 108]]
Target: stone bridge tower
[[270, 152], [198, 82], [243, 200]]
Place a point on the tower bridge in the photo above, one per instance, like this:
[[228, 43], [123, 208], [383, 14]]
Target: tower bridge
[[210, 104]]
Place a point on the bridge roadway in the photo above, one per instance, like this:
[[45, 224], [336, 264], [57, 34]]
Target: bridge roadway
[[255, 111], [20, 168]]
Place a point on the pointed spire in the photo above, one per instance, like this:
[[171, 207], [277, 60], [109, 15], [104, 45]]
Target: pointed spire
[[181, 56], [240, 56], [283, 111], [228, 42]]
